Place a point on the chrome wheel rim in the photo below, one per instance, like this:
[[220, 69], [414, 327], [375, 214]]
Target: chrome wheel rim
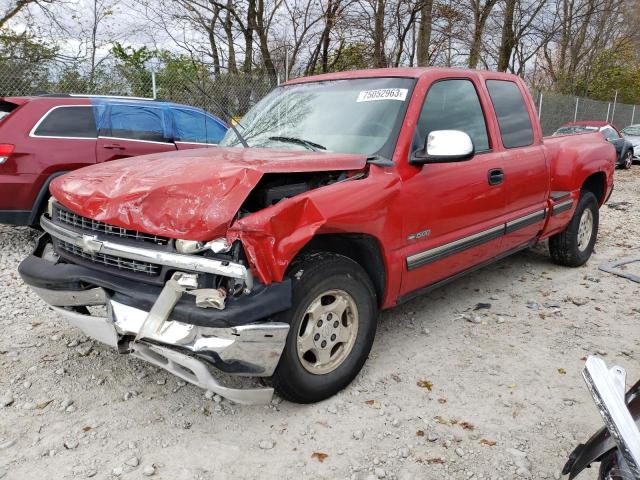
[[327, 332], [585, 230], [628, 160]]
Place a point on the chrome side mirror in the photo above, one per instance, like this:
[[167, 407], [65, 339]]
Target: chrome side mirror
[[443, 146]]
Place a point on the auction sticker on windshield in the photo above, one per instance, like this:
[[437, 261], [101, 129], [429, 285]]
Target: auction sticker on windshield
[[383, 94]]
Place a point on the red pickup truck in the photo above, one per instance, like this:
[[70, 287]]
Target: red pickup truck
[[337, 196]]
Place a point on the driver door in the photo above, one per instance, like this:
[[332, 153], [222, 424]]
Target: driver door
[[454, 220]]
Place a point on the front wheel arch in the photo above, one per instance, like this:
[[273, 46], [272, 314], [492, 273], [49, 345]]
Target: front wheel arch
[[363, 249]]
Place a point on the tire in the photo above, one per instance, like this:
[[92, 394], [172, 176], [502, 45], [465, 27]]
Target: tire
[[324, 283], [568, 247], [627, 160]]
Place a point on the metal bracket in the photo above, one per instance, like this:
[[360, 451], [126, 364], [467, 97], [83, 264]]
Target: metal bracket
[[172, 292]]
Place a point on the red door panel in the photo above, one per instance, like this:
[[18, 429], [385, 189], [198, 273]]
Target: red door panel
[[459, 227], [525, 176]]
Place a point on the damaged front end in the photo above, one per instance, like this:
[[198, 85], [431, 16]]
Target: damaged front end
[[180, 306]]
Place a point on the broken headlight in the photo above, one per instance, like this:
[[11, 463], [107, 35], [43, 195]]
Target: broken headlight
[[219, 245]]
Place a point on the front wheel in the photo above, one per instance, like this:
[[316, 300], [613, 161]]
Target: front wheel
[[332, 326], [574, 245]]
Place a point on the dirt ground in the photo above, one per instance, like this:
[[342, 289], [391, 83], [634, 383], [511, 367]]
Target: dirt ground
[[501, 393]]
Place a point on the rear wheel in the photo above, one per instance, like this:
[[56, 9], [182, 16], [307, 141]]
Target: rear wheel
[[627, 160], [573, 246], [333, 323]]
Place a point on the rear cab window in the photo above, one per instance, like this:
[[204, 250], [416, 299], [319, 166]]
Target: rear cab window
[[512, 113], [135, 122], [193, 126], [67, 121]]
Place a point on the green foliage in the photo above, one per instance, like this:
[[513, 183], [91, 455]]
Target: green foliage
[[23, 63], [131, 64], [352, 56], [614, 69]]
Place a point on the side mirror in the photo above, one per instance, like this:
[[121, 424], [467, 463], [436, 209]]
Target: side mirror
[[443, 146]]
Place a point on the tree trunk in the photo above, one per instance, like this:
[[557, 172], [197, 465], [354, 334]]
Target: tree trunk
[[379, 59], [248, 36], [264, 43], [507, 41], [228, 30], [480, 15], [424, 33]]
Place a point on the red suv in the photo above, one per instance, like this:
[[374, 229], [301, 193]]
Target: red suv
[[43, 137]]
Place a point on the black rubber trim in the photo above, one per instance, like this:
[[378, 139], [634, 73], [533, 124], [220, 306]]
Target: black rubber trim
[[610, 193], [34, 218], [454, 249], [557, 196], [557, 209], [440, 283], [263, 302], [15, 217], [514, 225]]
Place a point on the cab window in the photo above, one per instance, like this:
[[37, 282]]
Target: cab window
[[452, 105], [513, 116]]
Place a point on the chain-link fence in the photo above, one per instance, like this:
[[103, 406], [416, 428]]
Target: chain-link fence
[[556, 109], [218, 94], [195, 85]]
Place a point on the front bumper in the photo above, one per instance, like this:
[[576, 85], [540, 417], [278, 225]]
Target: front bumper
[[165, 327], [185, 350]]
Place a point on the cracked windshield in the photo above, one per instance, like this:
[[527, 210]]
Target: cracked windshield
[[348, 116]]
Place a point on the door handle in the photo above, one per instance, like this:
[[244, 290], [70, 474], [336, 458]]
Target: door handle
[[495, 176], [113, 146]]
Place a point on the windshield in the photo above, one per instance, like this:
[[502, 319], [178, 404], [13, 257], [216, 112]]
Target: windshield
[[633, 130], [349, 116], [570, 130]]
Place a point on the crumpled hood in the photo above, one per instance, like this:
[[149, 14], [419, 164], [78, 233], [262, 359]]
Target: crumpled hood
[[191, 194]]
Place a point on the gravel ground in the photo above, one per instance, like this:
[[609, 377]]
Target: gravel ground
[[448, 391]]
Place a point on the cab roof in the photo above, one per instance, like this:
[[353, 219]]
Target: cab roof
[[402, 72]]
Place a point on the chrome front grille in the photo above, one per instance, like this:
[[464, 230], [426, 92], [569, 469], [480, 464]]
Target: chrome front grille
[[149, 269], [66, 217]]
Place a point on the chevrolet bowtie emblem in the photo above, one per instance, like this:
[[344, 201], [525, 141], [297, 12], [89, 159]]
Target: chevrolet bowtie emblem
[[90, 244]]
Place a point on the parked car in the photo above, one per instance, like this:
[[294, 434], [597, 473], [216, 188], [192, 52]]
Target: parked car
[[43, 137], [632, 134], [624, 147], [348, 193]]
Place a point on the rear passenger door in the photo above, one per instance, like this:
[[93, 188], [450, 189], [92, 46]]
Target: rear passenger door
[[526, 174], [195, 129], [128, 130]]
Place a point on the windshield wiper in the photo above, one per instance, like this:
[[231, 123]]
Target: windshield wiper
[[299, 141]]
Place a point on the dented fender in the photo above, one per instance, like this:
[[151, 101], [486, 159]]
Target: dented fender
[[272, 237]]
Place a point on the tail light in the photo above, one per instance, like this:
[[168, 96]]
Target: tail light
[[6, 150]]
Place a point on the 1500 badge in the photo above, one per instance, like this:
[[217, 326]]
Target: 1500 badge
[[419, 235]]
